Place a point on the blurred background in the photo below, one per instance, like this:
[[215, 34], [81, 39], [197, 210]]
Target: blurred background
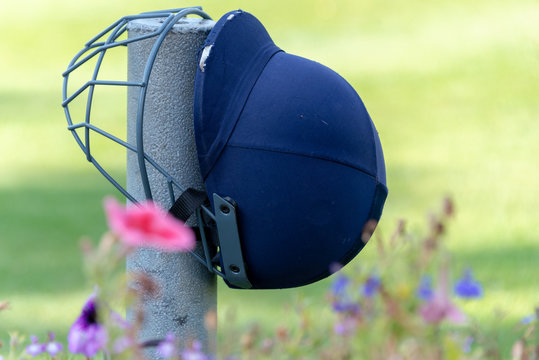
[[451, 85]]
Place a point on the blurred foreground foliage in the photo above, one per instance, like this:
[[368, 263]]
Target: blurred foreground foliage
[[387, 309]]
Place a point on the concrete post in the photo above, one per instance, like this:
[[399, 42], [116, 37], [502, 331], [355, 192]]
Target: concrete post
[[187, 289]]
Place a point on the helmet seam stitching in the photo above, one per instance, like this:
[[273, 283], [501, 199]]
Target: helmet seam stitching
[[304, 155]]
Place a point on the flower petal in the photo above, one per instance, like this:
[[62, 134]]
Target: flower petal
[[147, 225]]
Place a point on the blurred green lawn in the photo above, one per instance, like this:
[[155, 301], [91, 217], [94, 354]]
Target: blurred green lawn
[[452, 86]]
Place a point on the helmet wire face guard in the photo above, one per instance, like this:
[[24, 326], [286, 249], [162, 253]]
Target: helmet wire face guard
[[291, 161]]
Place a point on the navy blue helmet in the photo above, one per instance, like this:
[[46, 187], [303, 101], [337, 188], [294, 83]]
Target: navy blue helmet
[[291, 160]]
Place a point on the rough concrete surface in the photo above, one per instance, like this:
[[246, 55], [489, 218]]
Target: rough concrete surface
[[187, 290]]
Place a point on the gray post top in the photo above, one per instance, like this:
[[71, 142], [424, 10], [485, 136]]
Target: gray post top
[[184, 25]]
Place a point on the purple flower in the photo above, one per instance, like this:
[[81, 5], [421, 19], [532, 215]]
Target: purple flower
[[346, 307], [167, 348], [53, 347], [371, 286], [468, 287], [118, 320], [125, 341], [424, 291], [122, 343], [467, 346], [345, 327], [86, 335], [194, 352], [340, 284], [440, 307], [35, 348], [528, 319]]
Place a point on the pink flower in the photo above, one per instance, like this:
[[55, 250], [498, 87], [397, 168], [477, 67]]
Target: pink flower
[[440, 307], [147, 225]]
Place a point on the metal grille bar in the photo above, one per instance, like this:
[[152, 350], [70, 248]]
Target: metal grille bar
[[94, 48]]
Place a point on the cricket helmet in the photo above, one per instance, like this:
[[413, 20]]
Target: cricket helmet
[[292, 163]]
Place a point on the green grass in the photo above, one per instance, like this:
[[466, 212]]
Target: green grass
[[452, 88]]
